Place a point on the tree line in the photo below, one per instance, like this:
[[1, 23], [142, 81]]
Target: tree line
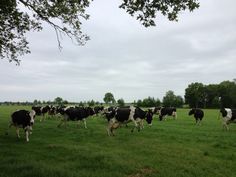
[[197, 95], [212, 95]]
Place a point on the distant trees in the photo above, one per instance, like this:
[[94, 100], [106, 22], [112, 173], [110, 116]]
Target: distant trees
[[121, 102], [109, 98], [171, 100], [212, 95], [148, 102]]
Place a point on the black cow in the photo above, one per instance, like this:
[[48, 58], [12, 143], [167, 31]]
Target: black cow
[[198, 114], [228, 116], [167, 112], [75, 114], [98, 109], [125, 115], [37, 110], [24, 119]]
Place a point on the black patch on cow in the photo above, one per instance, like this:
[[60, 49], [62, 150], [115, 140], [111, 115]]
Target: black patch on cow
[[22, 118]]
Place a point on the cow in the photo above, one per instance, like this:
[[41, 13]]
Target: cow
[[37, 110], [170, 111], [44, 111], [75, 114], [98, 109], [109, 112], [228, 116], [125, 115], [24, 119], [156, 110], [198, 114]]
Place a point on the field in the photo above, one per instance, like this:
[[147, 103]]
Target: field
[[171, 148]]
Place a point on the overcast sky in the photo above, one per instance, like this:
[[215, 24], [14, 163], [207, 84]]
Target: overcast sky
[[125, 58]]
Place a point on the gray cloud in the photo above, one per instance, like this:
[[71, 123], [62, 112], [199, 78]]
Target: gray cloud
[[125, 58]]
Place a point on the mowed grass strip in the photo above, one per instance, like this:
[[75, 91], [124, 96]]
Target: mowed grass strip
[[171, 148]]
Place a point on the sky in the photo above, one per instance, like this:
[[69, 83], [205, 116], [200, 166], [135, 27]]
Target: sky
[[125, 58]]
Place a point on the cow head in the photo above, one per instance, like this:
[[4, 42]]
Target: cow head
[[32, 114], [90, 111], [191, 112], [149, 115], [224, 112]]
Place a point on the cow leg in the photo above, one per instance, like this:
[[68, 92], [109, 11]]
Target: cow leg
[[109, 127], [196, 121], [27, 133], [175, 115], [78, 123], [225, 124], [17, 132], [85, 124], [135, 126]]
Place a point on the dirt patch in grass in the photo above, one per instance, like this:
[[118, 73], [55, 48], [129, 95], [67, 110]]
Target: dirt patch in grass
[[142, 172]]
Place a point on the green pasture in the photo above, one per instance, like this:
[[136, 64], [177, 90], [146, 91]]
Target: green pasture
[[171, 148]]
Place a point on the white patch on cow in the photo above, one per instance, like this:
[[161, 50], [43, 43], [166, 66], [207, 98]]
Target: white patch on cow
[[229, 113], [132, 112], [17, 132], [110, 126], [70, 106], [32, 114], [227, 118], [174, 114], [27, 135], [85, 124]]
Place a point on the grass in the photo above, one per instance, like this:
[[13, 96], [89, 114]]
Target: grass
[[171, 148]]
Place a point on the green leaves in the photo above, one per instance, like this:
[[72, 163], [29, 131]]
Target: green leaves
[[15, 23], [146, 10]]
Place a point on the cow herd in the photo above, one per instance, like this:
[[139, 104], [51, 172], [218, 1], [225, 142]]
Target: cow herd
[[115, 116]]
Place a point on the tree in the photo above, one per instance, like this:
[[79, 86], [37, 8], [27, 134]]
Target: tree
[[66, 16], [227, 92], [109, 98], [58, 100], [171, 100], [195, 95], [91, 103], [121, 102]]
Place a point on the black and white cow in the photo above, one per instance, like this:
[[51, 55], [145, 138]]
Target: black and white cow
[[228, 116], [156, 110], [125, 115], [22, 119], [37, 110], [198, 114], [75, 114], [168, 111], [109, 112], [44, 111], [98, 109]]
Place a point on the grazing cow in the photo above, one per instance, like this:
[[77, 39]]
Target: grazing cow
[[125, 115], [24, 119], [198, 114], [156, 110], [109, 112], [167, 112], [75, 114], [44, 110], [37, 110], [228, 116], [98, 109]]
